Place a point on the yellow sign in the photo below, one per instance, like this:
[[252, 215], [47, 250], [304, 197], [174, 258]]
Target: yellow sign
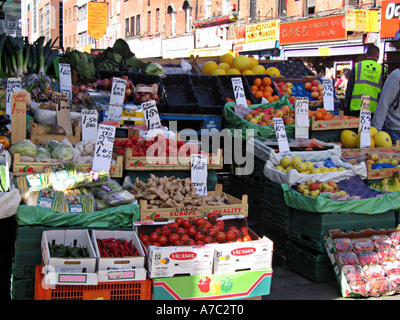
[[265, 31], [97, 19], [324, 51], [362, 20]]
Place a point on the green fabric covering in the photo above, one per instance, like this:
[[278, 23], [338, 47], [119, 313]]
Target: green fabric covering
[[236, 122], [119, 216], [323, 204]]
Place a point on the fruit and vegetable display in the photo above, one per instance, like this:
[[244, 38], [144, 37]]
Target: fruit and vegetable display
[[382, 160], [112, 247], [314, 188], [67, 251], [370, 265], [379, 139], [50, 151], [391, 184], [264, 117], [307, 167], [171, 192], [195, 231]]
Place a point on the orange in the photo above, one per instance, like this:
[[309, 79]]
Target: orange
[[266, 81], [310, 113], [261, 88], [327, 116], [248, 101], [269, 88], [258, 94], [345, 117], [258, 82], [323, 111], [276, 97], [267, 94], [318, 115], [270, 99], [254, 87]]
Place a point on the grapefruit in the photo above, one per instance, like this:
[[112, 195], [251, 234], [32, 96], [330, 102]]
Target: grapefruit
[[382, 139], [241, 62], [226, 58], [218, 72], [233, 71], [273, 72], [348, 138], [209, 67], [373, 131], [224, 66]]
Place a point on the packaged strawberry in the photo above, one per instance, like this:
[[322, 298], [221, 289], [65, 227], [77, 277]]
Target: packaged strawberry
[[395, 238], [342, 244], [363, 244], [397, 250], [352, 272], [394, 280], [347, 258], [367, 257], [385, 255], [391, 267], [380, 286], [359, 286], [373, 271], [381, 242]]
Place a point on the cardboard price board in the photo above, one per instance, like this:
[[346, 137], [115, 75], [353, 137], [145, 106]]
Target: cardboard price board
[[63, 112], [65, 80], [328, 94], [89, 124], [18, 116], [281, 137], [302, 122], [152, 119], [199, 173], [104, 148]]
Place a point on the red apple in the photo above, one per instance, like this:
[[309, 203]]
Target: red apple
[[281, 84], [254, 120], [270, 122], [266, 117], [314, 88], [258, 109], [314, 186], [284, 111], [314, 94], [253, 113], [276, 115], [307, 85], [314, 83], [288, 120], [247, 116], [262, 123]]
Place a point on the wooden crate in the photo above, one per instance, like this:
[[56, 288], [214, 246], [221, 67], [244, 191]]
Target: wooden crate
[[22, 168], [340, 124], [356, 152], [154, 163], [37, 137], [238, 207]]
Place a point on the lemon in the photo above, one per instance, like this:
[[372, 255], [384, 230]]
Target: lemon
[[273, 72], [247, 72], [209, 67], [224, 66], [226, 58], [348, 138], [254, 62], [382, 139], [241, 62], [233, 71], [259, 69], [218, 72]]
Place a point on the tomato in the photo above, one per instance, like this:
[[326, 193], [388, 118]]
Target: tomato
[[179, 221], [191, 242], [181, 231], [173, 226], [134, 139], [128, 143], [230, 235], [156, 244], [154, 236], [145, 238], [178, 243], [208, 225], [203, 228], [244, 230], [199, 243], [117, 143], [163, 240], [212, 217], [220, 224], [192, 231], [239, 239], [220, 236], [200, 221], [135, 154], [185, 237], [165, 231], [232, 228], [121, 152], [207, 239], [173, 238], [187, 223], [199, 236], [246, 238]]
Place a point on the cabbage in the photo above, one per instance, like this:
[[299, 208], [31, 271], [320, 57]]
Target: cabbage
[[43, 153], [63, 152], [24, 148], [51, 145], [154, 68]]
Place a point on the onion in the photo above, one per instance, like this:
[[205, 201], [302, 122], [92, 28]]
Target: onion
[[128, 84], [154, 96], [106, 84], [82, 88], [76, 100]]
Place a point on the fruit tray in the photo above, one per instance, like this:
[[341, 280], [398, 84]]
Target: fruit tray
[[209, 94], [227, 89]]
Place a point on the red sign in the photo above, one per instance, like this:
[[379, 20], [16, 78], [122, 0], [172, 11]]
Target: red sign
[[243, 251], [183, 255], [319, 29], [390, 11]]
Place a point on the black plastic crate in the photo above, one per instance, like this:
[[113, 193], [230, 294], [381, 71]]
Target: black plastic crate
[[179, 94], [294, 68], [250, 82], [227, 89], [107, 74], [209, 94], [147, 79]]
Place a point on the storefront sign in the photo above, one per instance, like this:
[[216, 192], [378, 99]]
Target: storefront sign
[[257, 37], [362, 20], [310, 30], [390, 11]]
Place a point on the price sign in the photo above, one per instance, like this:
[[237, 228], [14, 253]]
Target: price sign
[[364, 129], [302, 122], [114, 113], [104, 148], [152, 118], [89, 124], [65, 80], [118, 92], [199, 173], [238, 90], [18, 116], [63, 111], [365, 103], [13, 85], [328, 94], [281, 137]]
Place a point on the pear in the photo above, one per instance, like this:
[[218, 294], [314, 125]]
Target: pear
[[315, 193], [333, 169], [394, 161], [301, 187], [374, 157], [325, 169], [306, 192]]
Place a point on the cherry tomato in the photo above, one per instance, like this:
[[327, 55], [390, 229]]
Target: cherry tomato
[[200, 221], [207, 239], [156, 244], [154, 236], [192, 231], [145, 238], [212, 217], [117, 143], [230, 236], [173, 238], [165, 231], [187, 223], [199, 243], [134, 139], [178, 243], [181, 231], [199, 236], [163, 240], [220, 224], [179, 221], [128, 143], [173, 226], [244, 230], [220, 236], [184, 238], [246, 238]]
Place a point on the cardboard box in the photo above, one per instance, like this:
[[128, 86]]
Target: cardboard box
[[337, 266], [238, 207], [239, 285], [127, 268], [68, 270], [36, 136]]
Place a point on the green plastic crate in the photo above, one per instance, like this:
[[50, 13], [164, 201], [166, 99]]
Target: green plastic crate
[[309, 228], [23, 289], [311, 264]]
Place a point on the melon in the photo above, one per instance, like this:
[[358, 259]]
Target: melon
[[382, 139], [348, 139]]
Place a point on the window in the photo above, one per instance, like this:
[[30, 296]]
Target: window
[[149, 22], [282, 8], [172, 13], [207, 8], [138, 24], [74, 43], [27, 27], [41, 21], [69, 14], [310, 7], [132, 26], [47, 21], [60, 27], [157, 26], [34, 16], [188, 16], [127, 27], [226, 6]]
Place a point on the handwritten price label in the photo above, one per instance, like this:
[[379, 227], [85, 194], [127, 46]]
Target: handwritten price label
[[104, 148], [89, 124], [118, 92], [281, 137], [328, 94], [238, 90], [199, 173], [65, 80], [152, 118], [13, 85], [301, 108], [365, 103], [364, 129]]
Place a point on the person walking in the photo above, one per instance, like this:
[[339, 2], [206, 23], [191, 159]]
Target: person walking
[[365, 79], [387, 113]]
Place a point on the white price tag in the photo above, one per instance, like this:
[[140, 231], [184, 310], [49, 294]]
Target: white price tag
[[114, 113], [238, 90], [118, 92], [281, 137], [65, 80], [13, 85], [364, 129], [199, 173], [328, 94], [365, 103], [152, 118], [104, 148], [89, 124], [301, 110]]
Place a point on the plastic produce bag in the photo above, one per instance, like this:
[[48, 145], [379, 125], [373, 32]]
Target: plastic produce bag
[[9, 202], [51, 145], [63, 152], [43, 153], [25, 148]]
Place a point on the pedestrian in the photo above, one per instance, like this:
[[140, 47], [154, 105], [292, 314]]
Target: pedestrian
[[387, 113], [365, 79], [345, 78]]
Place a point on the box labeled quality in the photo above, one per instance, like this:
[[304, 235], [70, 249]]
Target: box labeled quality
[[126, 267], [68, 270]]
